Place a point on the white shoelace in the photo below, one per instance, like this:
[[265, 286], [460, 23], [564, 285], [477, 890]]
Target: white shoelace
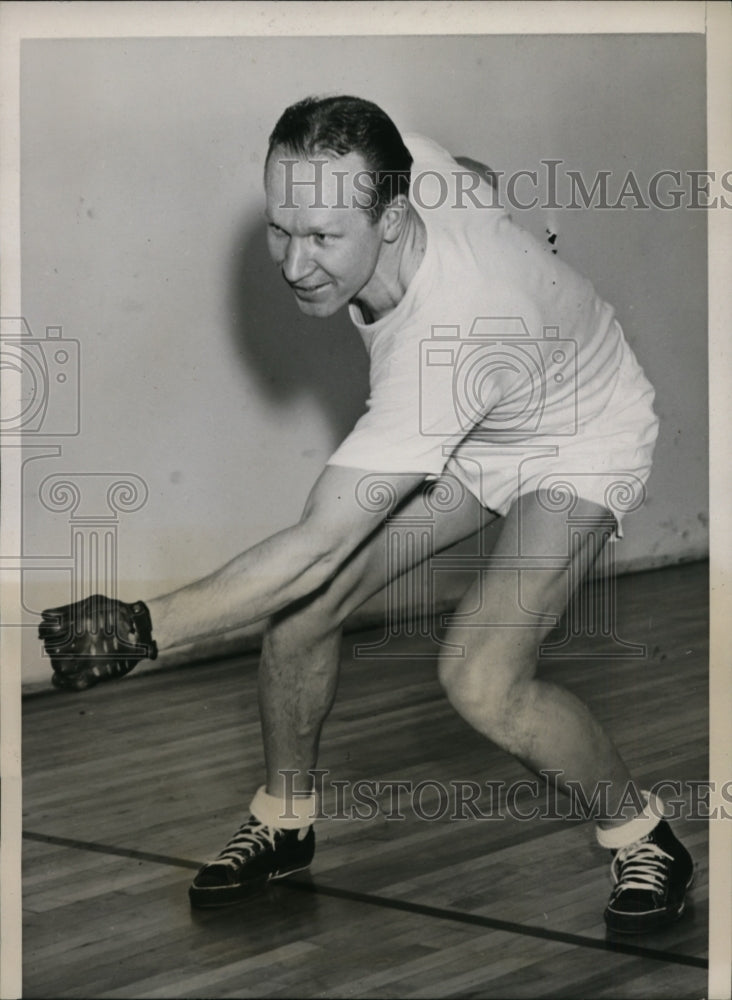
[[251, 836], [640, 866]]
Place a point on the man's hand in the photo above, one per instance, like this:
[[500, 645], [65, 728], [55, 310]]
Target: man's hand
[[96, 639]]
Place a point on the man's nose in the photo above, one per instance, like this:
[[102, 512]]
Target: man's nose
[[296, 264]]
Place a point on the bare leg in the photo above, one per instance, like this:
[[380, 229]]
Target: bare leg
[[501, 623], [494, 686], [298, 676], [300, 655]]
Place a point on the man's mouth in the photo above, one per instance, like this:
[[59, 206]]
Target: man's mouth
[[305, 290]]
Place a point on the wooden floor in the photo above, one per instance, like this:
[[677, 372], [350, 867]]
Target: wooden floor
[[127, 788]]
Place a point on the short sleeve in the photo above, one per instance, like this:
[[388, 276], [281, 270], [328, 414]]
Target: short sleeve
[[414, 418]]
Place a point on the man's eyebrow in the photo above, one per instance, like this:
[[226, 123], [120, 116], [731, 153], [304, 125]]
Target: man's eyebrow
[[271, 223], [328, 228]]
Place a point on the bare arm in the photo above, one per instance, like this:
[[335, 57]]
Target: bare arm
[[282, 568]]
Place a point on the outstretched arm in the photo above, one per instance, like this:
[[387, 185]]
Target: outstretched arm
[[100, 638], [282, 568]]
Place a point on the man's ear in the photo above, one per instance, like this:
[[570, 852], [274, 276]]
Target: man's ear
[[394, 218]]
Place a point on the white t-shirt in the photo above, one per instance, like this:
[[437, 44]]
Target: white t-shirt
[[496, 340]]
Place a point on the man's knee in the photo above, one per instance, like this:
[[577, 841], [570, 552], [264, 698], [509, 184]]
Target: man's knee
[[487, 687], [469, 686], [299, 629], [319, 615]]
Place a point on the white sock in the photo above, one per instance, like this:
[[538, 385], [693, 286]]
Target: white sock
[[636, 828], [285, 814]]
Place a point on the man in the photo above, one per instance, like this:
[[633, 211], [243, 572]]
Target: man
[[496, 372]]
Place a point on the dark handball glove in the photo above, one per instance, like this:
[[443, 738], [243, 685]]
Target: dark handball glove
[[94, 640]]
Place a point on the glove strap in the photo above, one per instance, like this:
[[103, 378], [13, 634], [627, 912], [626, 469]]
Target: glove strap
[[143, 627]]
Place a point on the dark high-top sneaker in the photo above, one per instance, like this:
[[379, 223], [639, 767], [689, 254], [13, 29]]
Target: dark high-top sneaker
[[254, 855], [651, 877]]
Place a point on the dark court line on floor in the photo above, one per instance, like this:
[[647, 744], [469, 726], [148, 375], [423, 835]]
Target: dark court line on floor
[[387, 902], [120, 852], [493, 923]]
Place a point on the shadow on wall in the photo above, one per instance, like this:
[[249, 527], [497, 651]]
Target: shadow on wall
[[290, 354]]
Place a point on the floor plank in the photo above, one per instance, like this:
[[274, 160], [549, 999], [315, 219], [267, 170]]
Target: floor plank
[[162, 765]]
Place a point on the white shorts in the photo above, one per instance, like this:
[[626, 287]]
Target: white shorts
[[608, 460]]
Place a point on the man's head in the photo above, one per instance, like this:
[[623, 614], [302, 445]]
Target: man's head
[[337, 180], [331, 127]]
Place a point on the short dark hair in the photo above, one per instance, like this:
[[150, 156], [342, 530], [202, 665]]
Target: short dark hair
[[342, 125]]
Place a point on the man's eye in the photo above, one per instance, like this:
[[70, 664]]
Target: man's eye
[[323, 238]]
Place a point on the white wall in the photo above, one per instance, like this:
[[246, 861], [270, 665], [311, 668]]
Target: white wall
[[142, 238]]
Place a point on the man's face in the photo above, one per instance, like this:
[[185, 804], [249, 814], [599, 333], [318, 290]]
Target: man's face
[[325, 245]]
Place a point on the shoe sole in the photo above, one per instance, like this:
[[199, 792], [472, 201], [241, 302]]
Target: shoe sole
[[202, 898], [645, 923]]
